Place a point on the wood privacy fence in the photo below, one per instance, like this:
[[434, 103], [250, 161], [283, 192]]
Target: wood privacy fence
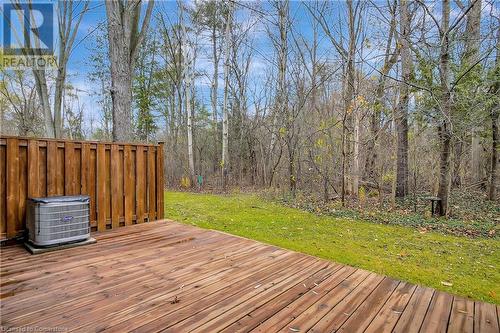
[[124, 181]]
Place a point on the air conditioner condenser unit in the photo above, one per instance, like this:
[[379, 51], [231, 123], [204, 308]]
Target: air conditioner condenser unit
[[58, 220]]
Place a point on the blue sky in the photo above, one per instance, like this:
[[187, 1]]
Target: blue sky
[[78, 66]]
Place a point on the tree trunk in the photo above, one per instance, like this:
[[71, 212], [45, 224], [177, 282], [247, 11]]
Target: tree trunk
[[390, 59], [186, 56], [350, 96], [402, 115], [214, 90], [125, 38], [472, 44], [457, 163], [492, 193], [43, 93], [225, 111], [58, 96], [495, 112], [445, 128]]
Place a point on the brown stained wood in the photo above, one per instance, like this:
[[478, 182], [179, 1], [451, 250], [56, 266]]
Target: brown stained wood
[[165, 276], [317, 311], [42, 170], [269, 309], [3, 192], [413, 315], [33, 169], [387, 317], [115, 187], [52, 168], [295, 309], [93, 188], [60, 171], [140, 189], [462, 316], [121, 182], [151, 177], [69, 169], [486, 318], [46, 167], [159, 182], [107, 177], [343, 310], [12, 187], [101, 188], [22, 183], [364, 314], [438, 313], [127, 185], [85, 181]]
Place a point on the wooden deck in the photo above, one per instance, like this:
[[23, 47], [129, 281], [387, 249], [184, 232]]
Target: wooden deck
[[165, 276]]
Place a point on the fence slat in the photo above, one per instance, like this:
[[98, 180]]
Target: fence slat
[[69, 168], [127, 185], [51, 168], [122, 180], [140, 184], [12, 187], [101, 188], [115, 187], [85, 169], [33, 169], [159, 182], [151, 184]]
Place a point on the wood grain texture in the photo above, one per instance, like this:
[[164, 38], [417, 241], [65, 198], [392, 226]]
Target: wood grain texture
[[165, 276], [102, 204], [12, 190], [115, 187], [128, 184], [140, 189], [151, 178]]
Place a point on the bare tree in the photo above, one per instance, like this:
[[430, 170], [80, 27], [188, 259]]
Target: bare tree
[[125, 37], [69, 17], [187, 76], [225, 111], [494, 113], [402, 114]]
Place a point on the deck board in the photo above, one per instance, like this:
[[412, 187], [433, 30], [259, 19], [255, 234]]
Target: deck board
[[169, 277]]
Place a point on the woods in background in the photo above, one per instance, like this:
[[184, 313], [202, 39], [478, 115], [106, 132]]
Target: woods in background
[[340, 99]]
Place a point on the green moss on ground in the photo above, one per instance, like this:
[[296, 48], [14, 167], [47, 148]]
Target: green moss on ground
[[459, 265]]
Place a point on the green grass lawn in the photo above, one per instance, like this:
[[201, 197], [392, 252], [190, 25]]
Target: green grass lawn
[[458, 265]]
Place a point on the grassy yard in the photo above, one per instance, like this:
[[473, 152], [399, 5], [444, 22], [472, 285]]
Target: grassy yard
[[458, 265]]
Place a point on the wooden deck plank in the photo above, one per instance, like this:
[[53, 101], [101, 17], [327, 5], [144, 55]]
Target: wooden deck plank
[[462, 316], [131, 275], [413, 315], [341, 312], [233, 308], [161, 312], [117, 297], [318, 310], [359, 320], [485, 318], [293, 310], [438, 313], [388, 316], [165, 276], [252, 319]]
